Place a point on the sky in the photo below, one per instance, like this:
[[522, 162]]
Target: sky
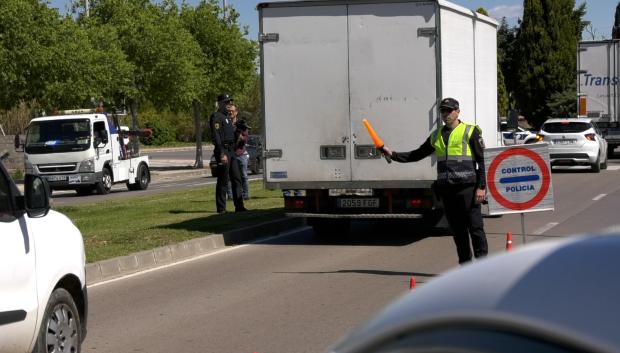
[[599, 12]]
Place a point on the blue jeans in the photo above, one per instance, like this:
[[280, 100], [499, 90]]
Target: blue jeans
[[245, 184]]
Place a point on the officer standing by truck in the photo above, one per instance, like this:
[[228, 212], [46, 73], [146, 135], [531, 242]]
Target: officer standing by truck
[[460, 177], [223, 132]]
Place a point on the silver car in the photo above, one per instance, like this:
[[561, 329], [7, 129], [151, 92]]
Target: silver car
[[575, 142], [551, 296]]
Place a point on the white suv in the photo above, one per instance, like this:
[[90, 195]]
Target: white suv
[[43, 300], [575, 142]]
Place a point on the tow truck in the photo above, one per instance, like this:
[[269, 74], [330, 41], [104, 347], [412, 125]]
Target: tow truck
[[85, 151]]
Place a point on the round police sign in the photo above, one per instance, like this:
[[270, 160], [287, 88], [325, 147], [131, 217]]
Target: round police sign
[[519, 179]]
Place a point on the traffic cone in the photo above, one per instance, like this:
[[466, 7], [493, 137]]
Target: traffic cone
[[412, 283], [508, 241]]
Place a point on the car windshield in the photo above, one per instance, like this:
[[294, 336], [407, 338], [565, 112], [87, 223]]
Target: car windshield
[[566, 127], [58, 136]]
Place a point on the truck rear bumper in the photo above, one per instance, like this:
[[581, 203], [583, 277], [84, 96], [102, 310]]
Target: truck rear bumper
[[357, 216]]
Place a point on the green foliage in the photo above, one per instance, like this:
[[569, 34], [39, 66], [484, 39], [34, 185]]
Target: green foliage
[[163, 130], [506, 52], [17, 174], [483, 11], [116, 227], [563, 104], [615, 30], [546, 55], [138, 53]]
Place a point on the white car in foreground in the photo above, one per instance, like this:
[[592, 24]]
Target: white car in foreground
[[575, 142], [553, 296], [43, 299]]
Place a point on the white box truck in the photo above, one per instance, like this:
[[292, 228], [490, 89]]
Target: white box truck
[[84, 152], [326, 65], [598, 68]]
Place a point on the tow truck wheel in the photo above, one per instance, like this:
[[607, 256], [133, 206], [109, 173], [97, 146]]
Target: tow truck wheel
[[105, 185], [143, 178]]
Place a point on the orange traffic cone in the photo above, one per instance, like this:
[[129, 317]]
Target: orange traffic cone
[[412, 283], [508, 241]]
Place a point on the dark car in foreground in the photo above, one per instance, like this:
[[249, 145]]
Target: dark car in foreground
[[255, 162], [553, 296]]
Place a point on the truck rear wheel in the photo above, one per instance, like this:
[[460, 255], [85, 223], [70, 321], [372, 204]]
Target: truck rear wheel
[[105, 185], [143, 178]]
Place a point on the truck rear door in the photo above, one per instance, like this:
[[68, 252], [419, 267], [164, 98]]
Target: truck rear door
[[331, 66], [392, 75], [306, 95]]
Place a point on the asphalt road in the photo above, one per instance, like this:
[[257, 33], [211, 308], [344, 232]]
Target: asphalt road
[[298, 294], [171, 170]]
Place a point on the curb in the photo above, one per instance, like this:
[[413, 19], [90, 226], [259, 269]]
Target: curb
[[149, 259], [163, 174]]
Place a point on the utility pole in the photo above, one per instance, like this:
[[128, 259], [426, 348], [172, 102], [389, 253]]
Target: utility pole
[[224, 8], [87, 6]]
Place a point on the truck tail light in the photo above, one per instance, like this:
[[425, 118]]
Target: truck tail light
[[419, 203], [294, 203], [591, 137]]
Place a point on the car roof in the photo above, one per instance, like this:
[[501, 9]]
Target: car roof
[[564, 288], [572, 120]]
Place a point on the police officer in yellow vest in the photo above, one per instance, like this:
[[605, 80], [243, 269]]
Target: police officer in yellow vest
[[460, 176]]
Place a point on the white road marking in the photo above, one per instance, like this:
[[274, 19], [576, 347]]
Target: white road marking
[[613, 167], [545, 228], [599, 197]]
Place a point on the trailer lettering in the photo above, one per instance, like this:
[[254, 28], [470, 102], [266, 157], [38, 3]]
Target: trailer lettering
[[601, 80]]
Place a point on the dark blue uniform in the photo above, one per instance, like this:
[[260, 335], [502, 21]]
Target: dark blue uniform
[[223, 132]]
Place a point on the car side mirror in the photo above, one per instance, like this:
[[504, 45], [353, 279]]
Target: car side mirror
[[37, 196]]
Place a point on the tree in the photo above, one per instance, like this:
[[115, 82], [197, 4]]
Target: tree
[[229, 58], [168, 67], [506, 52], [615, 31], [546, 59], [502, 94]]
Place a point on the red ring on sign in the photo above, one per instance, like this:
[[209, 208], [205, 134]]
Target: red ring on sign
[[546, 179]]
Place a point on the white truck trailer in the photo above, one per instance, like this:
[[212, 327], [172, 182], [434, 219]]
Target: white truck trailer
[[598, 67], [326, 65], [84, 152]]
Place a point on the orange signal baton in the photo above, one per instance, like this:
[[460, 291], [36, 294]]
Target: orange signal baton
[[376, 140]]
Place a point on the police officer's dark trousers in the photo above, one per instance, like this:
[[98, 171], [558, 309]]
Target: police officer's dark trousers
[[465, 218], [225, 172]]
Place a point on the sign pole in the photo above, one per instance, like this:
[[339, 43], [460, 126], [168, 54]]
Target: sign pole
[[523, 227]]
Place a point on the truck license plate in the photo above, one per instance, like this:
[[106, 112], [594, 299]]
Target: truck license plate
[[358, 203], [56, 177]]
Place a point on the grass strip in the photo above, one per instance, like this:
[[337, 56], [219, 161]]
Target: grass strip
[[119, 227]]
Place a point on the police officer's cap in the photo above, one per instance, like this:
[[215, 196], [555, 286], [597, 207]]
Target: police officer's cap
[[224, 98], [449, 103], [242, 125]]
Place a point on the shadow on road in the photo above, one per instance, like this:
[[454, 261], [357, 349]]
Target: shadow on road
[[365, 233]]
